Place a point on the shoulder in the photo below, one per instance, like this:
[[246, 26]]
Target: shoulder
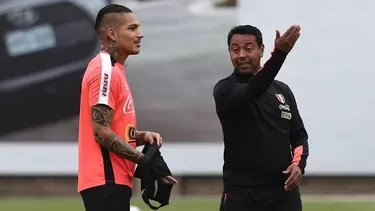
[[222, 82], [283, 86], [280, 83], [285, 89], [100, 69]]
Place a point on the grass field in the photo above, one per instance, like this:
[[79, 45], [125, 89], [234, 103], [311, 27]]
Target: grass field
[[46, 204]]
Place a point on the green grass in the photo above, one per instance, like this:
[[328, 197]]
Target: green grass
[[46, 204]]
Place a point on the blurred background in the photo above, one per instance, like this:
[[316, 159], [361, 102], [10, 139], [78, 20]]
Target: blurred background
[[45, 46]]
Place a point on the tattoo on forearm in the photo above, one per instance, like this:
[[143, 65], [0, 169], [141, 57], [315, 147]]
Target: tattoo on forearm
[[140, 137], [113, 51], [102, 118]]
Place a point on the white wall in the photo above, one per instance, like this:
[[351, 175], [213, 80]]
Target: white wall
[[331, 73], [182, 159]]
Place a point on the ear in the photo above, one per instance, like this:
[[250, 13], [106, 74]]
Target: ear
[[111, 34], [261, 49]]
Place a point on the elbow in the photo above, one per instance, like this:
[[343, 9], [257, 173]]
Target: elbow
[[306, 156], [101, 134], [299, 138]]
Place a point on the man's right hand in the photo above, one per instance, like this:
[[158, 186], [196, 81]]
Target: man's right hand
[[286, 41], [169, 180]]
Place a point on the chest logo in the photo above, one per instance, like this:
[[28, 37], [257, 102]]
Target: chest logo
[[281, 98], [130, 131], [286, 115], [129, 106], [284, 107]]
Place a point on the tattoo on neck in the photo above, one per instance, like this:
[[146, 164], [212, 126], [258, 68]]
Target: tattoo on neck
[[113, 51]]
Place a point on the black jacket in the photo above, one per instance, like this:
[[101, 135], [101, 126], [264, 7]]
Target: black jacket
[[151, 172], [263, 130]]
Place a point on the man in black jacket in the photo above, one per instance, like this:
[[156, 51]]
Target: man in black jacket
[[264, 136]]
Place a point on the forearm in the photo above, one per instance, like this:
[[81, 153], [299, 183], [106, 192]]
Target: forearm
[[232, 95], [102, 116], [300, 155], [262, 80], [112, 142], [140, 137], [300, 149]]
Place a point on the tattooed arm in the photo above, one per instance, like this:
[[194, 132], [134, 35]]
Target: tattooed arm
[[140, 137], [102, 116]]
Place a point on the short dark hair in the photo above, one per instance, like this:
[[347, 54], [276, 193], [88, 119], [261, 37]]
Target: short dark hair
[[246, 29], [111, 8]]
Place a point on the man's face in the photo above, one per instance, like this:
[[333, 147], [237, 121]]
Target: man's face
[[129, 35], [245, 53]]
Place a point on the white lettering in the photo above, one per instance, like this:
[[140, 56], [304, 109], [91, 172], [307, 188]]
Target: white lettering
[[284, 107]]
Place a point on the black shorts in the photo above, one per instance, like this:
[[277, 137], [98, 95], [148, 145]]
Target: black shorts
[[109, 197], [261, 199]]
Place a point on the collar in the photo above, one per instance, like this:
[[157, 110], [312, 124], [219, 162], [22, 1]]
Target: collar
[[241, 77]]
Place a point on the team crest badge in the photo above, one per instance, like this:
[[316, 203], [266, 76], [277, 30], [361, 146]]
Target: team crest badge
[[281, 98]]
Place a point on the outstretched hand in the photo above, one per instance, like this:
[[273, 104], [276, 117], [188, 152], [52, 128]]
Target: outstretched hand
[[286, 41]]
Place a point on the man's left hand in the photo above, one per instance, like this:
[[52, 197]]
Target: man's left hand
[[149, 137], [295, 176]]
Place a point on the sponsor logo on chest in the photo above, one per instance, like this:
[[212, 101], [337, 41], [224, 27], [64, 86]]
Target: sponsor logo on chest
[[129, 104], [285, 108]]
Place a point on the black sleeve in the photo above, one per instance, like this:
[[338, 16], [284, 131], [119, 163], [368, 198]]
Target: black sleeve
[[298, 135], [229, 94]]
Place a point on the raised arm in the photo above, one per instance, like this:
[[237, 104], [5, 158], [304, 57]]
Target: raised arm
[[231, 95]]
